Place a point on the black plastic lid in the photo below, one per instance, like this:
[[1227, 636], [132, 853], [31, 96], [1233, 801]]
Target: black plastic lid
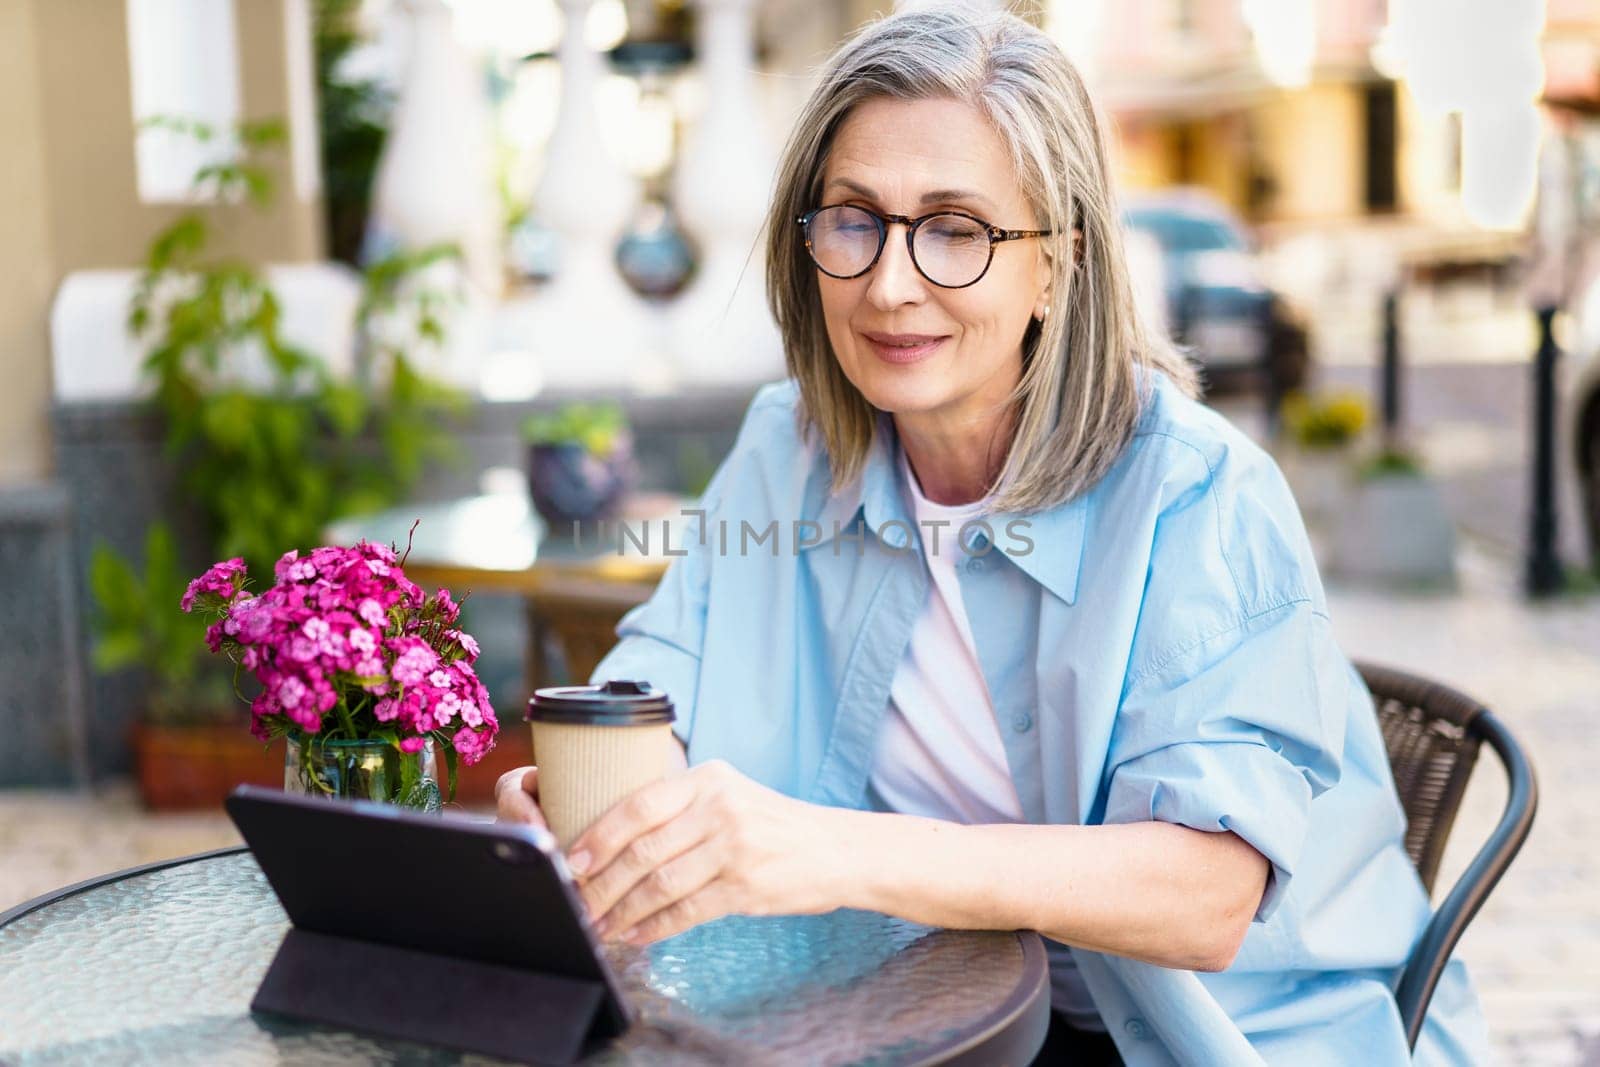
[[616, 703]]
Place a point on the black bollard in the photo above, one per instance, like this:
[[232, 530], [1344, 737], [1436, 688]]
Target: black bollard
[[1544, 575], [1389, 386], [1270, 366]]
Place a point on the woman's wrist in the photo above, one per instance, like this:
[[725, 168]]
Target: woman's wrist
[[905, 866], [855, 875]]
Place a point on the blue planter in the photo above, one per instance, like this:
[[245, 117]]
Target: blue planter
[[569, 484]]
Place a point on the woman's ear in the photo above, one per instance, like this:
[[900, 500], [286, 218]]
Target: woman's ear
[[1041, 306]]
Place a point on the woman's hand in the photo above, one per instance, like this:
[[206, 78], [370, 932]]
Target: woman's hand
[[702, 844], [516, 798]]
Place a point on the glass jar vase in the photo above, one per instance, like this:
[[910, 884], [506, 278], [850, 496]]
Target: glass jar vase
[[370, 769]]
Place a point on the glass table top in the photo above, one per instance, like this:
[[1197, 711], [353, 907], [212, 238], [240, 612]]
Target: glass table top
[[160, 967]]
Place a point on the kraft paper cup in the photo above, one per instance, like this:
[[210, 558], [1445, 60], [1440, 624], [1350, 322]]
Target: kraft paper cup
[[594, 745]]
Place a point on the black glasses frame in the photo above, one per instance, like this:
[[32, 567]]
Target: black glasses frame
[[996, 234]]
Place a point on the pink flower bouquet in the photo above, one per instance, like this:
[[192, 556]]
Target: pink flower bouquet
[[347, 649]]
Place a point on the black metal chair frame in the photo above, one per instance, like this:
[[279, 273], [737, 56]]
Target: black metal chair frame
[[1428, 957]]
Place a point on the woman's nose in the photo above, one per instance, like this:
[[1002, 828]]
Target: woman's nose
[[894, 279]]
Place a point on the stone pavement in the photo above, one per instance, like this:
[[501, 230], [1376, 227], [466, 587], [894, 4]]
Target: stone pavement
[[1534, 950]]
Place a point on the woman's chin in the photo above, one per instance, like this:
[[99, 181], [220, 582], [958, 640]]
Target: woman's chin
[[906, 397]]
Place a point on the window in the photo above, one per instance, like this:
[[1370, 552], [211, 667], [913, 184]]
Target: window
[[183, 58]]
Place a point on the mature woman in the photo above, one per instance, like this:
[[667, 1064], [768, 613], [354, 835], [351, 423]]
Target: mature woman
[[1039, 642]]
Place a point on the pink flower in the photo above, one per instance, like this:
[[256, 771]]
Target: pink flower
[[342, 630], [412, 744], [446, 607], [466, 642], [291, 693], [472, 745], [446, 707], [414, 660], [219, 583]]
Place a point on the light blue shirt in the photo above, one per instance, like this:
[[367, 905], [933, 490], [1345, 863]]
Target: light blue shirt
[[1157, 648]]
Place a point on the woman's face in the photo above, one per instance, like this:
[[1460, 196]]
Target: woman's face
[[912, 348]]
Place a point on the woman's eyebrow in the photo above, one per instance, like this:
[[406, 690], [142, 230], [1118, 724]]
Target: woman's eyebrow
[[950, 196], [935, 196]]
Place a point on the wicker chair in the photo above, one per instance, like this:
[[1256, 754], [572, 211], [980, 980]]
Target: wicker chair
[[1433, 734]]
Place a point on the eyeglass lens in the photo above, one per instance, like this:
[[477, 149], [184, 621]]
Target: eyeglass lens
[[949, 250]]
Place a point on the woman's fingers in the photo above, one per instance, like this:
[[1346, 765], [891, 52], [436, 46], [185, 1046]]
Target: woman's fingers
[[712, 901], [514, 797], [638, 814], [655, 870]]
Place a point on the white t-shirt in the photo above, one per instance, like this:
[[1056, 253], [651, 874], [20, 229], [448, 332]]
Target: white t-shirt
[[939, 753]]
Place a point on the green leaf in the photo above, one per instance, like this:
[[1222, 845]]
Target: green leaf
[[112, 581], [450, 760], [117, 650]]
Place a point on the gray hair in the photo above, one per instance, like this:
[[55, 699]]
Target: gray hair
[[1080, 394]]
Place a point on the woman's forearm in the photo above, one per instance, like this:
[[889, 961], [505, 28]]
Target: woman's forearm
[[1152, 891]]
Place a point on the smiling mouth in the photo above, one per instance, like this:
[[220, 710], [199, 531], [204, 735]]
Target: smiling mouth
[[903, 348]]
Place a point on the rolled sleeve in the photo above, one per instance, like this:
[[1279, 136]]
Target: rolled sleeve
[[1237, 732], [662, 639], [673, 670]]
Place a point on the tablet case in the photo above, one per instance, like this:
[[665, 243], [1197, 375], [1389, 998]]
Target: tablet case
[[451, 933]]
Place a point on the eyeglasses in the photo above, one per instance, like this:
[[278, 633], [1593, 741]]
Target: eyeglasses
[[950, 249]]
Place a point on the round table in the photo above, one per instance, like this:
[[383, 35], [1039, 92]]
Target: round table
[[158, 964]]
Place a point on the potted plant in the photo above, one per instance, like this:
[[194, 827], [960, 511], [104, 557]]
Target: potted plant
[[266, 466], [189, 746], [580, 463], [1395, 529], [1323, 430], [361, 673]]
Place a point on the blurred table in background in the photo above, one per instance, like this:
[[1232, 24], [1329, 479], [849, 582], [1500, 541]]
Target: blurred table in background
[[574, 591]]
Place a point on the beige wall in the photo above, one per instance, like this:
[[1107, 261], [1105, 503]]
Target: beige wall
[[27, 266], [68, 194], [1311, 143], [97, 218]]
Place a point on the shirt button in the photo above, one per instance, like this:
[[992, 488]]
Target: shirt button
[[1138, 1029], [1022, 722], [975, 566]]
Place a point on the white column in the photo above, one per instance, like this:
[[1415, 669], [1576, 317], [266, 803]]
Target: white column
[[436, 184], [586, 328], [435, 181], [723, 184]]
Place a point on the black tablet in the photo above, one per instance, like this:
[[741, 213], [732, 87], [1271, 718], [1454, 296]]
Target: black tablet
[[488, 909]]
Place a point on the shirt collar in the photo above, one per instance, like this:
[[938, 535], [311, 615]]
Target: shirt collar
[[1047, 545], [874, 494]]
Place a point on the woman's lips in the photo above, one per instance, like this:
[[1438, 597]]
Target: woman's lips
[[903, 347]]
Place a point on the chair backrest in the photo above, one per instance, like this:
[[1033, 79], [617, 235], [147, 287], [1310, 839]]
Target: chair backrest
[[1432, 750]]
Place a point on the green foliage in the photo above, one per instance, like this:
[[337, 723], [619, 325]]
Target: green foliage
[[271, 467], [597, 427], [1325, 422], [354, 124], [1391, 462], [268, 468], [138, 625]]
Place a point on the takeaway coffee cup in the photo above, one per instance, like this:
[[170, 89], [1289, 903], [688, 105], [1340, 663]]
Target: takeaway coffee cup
[[595, 744]]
